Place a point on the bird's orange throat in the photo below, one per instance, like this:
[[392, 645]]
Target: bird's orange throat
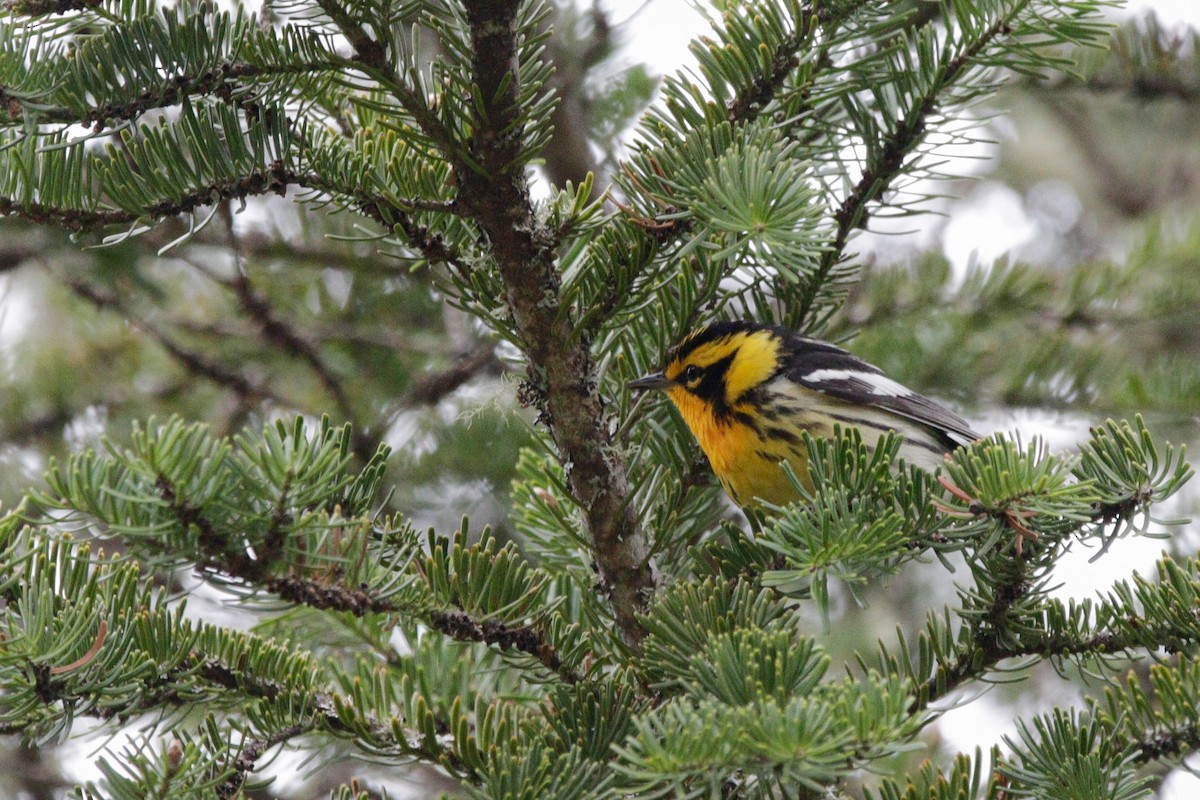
[[719, 438]]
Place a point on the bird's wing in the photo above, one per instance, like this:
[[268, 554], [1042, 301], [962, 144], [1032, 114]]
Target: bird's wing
[[825, 368]]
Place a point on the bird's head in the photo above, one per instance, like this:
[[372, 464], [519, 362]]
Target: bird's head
[[717, 364]]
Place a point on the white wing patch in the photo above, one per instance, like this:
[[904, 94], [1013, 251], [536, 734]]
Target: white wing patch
[[880, 385]]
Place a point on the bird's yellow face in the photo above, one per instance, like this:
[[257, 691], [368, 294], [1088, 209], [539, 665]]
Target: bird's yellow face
[[719, 371]]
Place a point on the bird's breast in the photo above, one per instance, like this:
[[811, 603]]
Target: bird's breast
[[743, 457]]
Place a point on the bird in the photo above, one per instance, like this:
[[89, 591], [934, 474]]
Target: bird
[[748, 391]]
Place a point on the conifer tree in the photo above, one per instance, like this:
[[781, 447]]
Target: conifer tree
[[621, 634]]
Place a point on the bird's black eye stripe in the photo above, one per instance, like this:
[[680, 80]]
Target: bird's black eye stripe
[[708, 382]]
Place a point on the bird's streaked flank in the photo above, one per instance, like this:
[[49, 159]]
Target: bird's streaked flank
[[748, 391]]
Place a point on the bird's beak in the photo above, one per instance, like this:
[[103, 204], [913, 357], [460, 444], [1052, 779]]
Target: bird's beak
[[655, 380]]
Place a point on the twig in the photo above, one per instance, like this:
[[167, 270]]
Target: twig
[[525, 638], [276, 178], [457, 624], [162, 688], [194, 362], [251, 752], [280, 332], [430, 388]]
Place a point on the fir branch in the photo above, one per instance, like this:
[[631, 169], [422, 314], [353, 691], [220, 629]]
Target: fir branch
[[432, 246], [163, 689], [986, 651], [751, 100], [12, 112], [218, 550], [275, 179], [988, 645], [813, 37], [75, 220], [412, 745], [561, 375], [372, 57], [748, 103], [225, 81], [328, 595], [218, 673], [891, 160], [1099, 643], [396, 216], [218, 81], [326, 711], [1160, 745]]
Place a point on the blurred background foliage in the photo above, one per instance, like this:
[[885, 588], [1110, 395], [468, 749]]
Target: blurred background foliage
[[1092, 311]]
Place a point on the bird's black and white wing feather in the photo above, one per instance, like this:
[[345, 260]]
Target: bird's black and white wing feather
[[825, 368]]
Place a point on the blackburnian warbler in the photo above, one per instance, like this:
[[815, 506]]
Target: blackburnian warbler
[[748, 391]]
